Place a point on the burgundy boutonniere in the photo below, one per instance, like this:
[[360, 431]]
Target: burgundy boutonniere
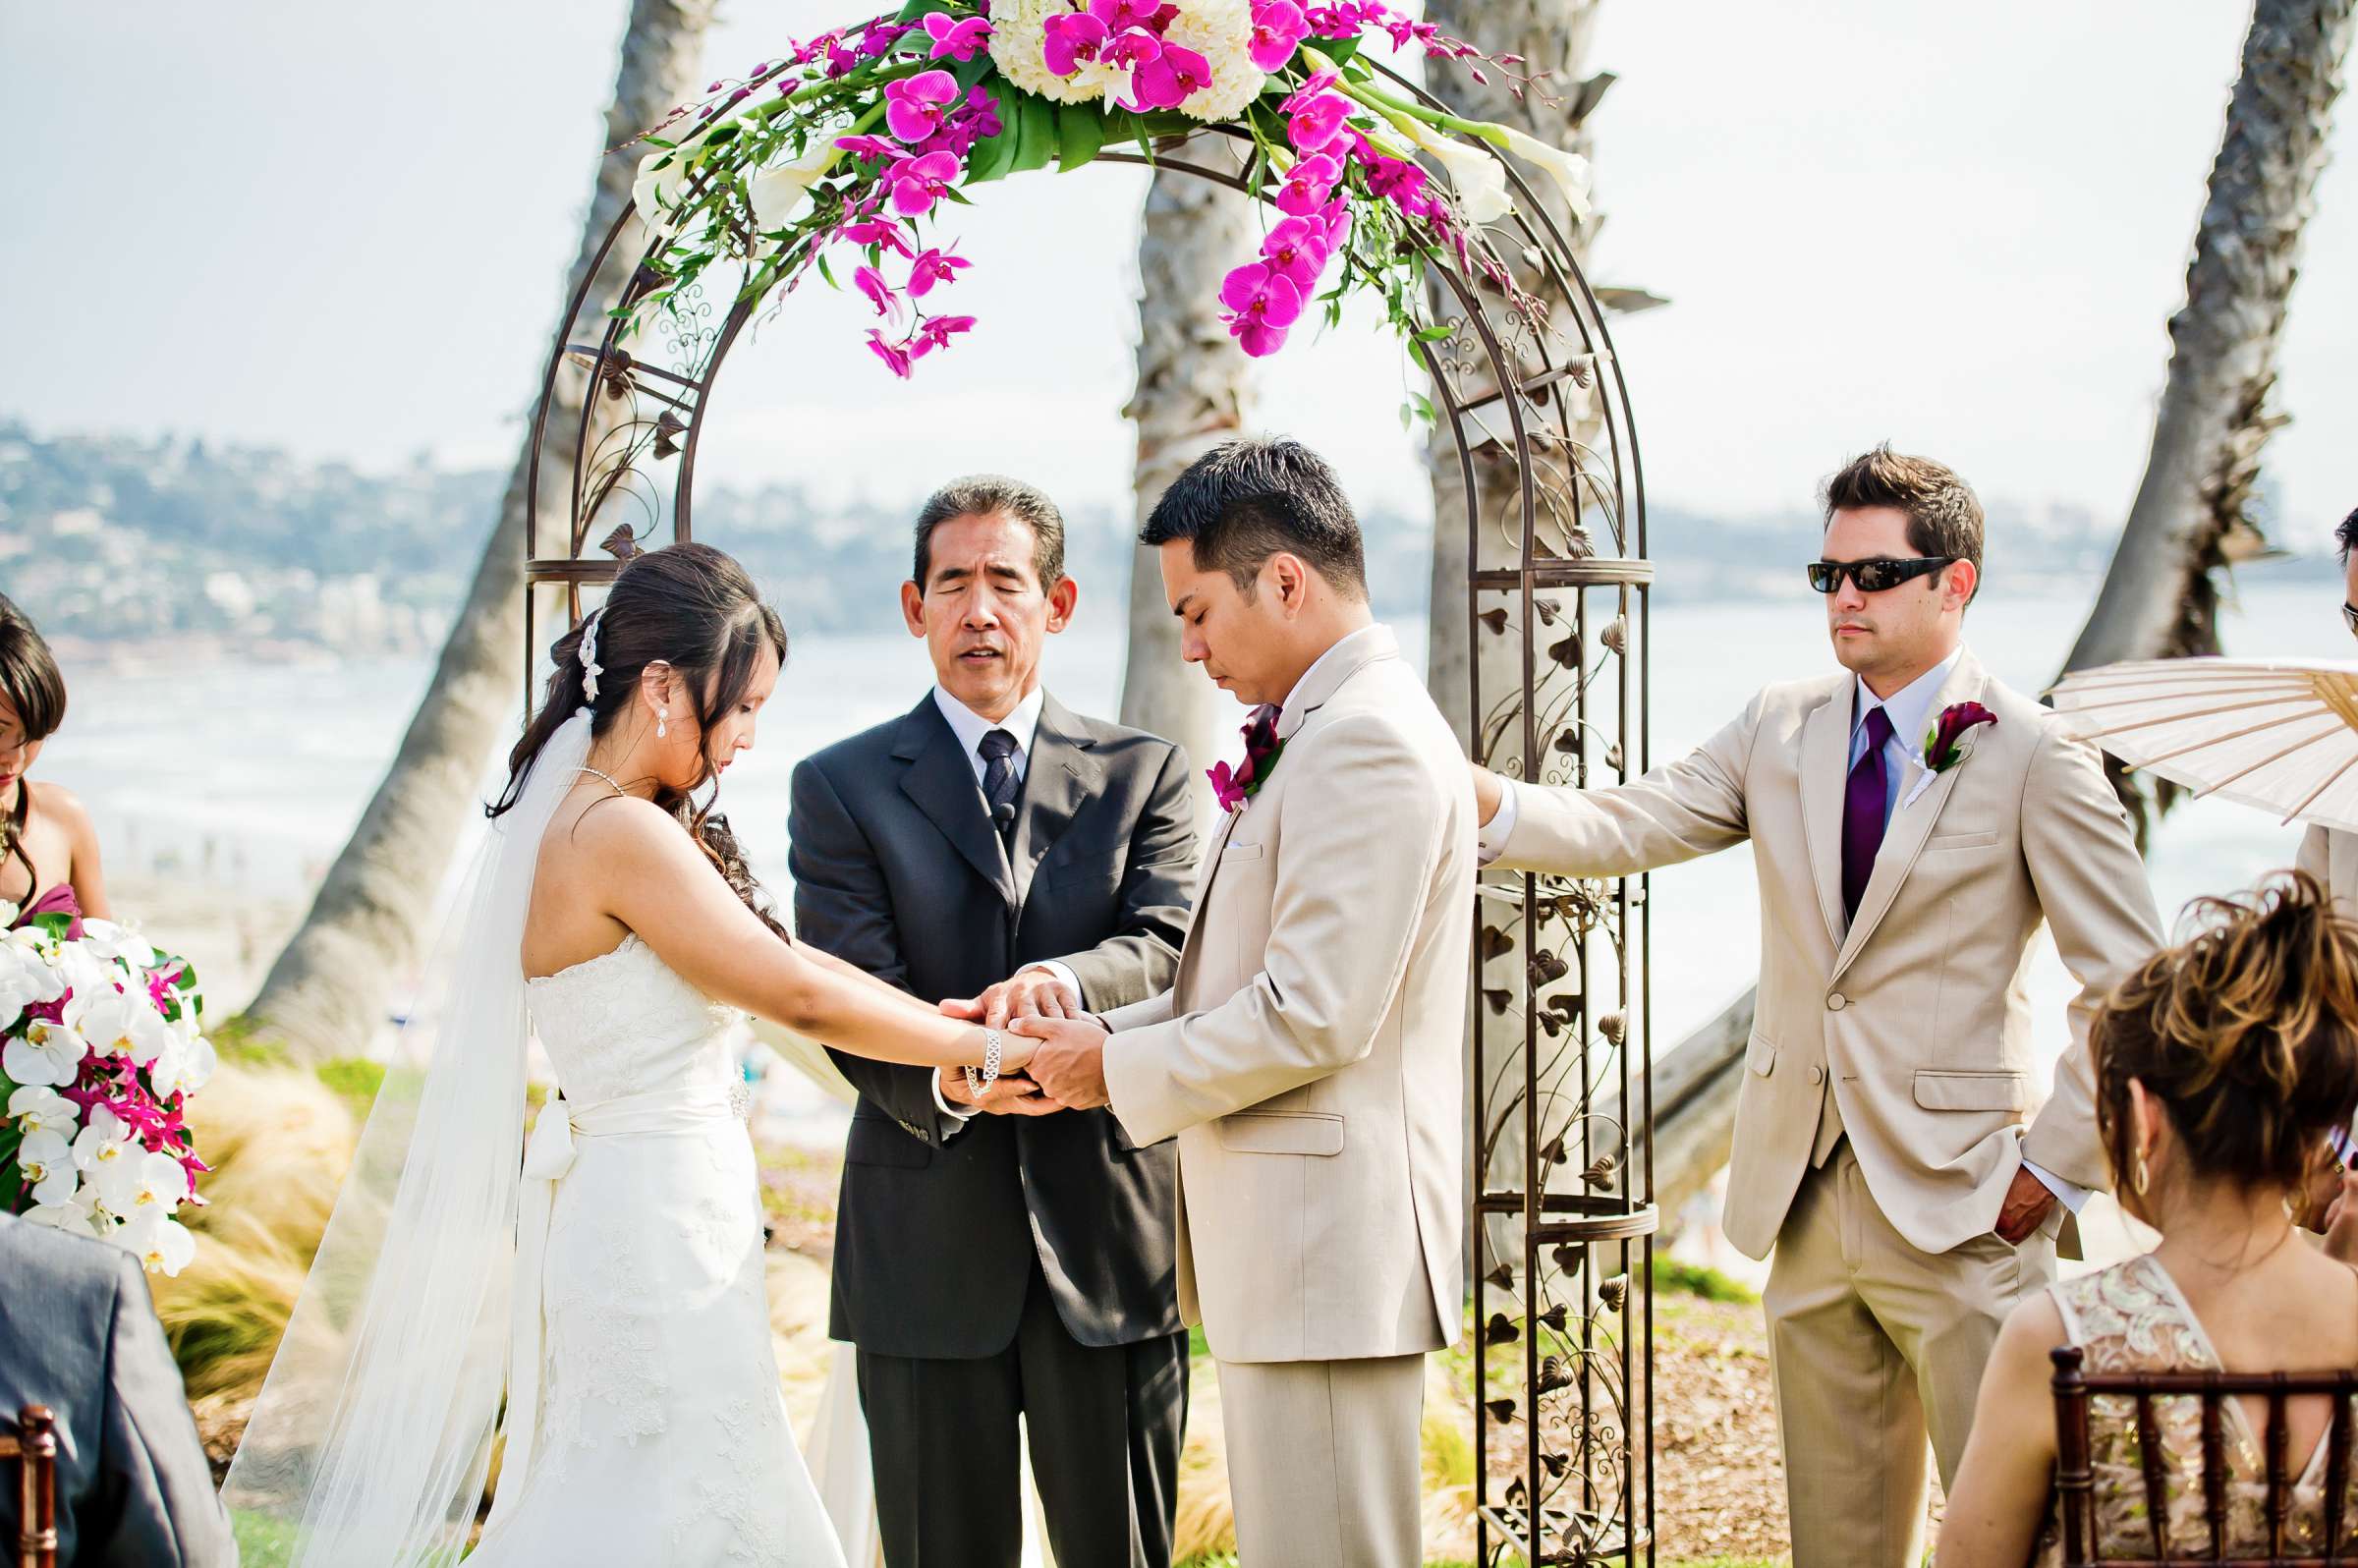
[[1944, 743], [1233, 786]]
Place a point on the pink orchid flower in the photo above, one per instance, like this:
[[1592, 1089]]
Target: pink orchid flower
[[918, 183], [1117, 15], [1316, 121], [915, 107], [1171, 78], [871, 283], [874, 148], [1072, 40], [895, 358], [1134, 49], [879, 233], [933, 267], [955, 40], [1226, 793], [1297, 251], [1309, 183], [1263, 303], [935, 333], [1278, 28]]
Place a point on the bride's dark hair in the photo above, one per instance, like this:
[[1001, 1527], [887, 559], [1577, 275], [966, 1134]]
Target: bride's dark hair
[[29, 680], [694, 608]]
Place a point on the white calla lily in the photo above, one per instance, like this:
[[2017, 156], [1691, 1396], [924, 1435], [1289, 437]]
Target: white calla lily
[[777, 194], [1475, 174], [36, 1107], [45, 1055], [48, 1163], [1569, 170]]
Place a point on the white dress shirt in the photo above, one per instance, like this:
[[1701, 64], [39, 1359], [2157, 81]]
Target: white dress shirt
[[1911, 711], [970, 727]]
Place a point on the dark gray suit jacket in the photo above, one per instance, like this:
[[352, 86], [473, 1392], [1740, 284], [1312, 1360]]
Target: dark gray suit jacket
[[898, 869], [79, 1333]]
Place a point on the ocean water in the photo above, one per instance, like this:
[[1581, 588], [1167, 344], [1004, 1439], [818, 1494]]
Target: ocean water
[[250, 776]]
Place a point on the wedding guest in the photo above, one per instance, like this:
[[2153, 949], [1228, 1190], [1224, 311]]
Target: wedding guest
[[1003, 1256], [1913, 822], [2222, 1067], [48, 848], [79, 1334]]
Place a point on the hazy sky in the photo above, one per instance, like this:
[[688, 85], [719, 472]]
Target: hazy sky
[[341, 229]]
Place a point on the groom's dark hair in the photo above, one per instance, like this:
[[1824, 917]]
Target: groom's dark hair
[[1246, 500], [989, 495]]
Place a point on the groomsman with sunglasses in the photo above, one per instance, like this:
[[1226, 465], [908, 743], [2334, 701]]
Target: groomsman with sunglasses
[[1912, 821]]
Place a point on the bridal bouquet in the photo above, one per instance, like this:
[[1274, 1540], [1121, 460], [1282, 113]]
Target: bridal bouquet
[[99, 1050], [853, 143]]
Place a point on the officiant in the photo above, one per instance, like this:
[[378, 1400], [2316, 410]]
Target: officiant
[[998, 1255]]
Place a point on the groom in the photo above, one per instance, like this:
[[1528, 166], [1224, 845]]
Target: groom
[[1309, 1056], [1002, 1256], [1891, 1142]]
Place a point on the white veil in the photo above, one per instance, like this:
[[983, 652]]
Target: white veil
[[371, 1437]]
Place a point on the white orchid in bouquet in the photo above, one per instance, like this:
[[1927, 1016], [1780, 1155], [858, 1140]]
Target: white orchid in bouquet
[[99, 1050], [855, 140]]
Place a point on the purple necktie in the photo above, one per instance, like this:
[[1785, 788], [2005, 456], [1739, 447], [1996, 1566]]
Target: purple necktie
[[1863, 799]]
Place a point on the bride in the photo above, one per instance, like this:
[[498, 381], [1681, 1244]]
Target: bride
[[608, 1272]]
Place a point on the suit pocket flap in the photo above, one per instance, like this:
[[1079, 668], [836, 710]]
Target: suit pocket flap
[[1972, 1091], [1958, 841], [1240, 852], [874, 1141], [1760, 1056], [1282, 1133]]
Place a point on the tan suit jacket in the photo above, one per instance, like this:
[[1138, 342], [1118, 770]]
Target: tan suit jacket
[[1310, 1056], [1913, 1016]]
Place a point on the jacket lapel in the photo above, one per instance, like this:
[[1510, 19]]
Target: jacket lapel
[[1824, 764], [1210, 864], [1911, 824], [1060, 777], [941, 782], [1328, 673]]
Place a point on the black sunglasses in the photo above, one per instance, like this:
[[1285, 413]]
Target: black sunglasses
[[2349, 618], [1874, 577]]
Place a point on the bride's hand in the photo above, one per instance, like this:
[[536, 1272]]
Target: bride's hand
[[1015, 1051]]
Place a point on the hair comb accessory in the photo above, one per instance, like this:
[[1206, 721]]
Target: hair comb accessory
[[588, 654]]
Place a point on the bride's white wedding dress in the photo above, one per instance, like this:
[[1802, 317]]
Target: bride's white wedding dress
[[660, 1436]]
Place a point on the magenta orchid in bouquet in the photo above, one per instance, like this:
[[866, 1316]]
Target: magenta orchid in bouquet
[[99, 1050], [856, 139]]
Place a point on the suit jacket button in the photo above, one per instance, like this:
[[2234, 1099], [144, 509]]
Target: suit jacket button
[[1836, 1002], [1817, 1075]]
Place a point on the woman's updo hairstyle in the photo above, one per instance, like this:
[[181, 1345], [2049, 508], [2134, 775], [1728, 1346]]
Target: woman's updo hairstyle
[[2246, 1032], [694, 608]]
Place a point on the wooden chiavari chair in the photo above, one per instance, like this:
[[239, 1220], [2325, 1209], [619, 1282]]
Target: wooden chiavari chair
[[33, 1444]]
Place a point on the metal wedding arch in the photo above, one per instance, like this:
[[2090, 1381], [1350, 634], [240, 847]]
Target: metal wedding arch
[[1560, 1048]]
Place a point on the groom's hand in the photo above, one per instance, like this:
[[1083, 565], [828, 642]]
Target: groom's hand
[[1033, 992], [2027, 1203], [1069, 1062]]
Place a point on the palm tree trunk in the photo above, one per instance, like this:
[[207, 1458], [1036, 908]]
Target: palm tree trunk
[[1195, 390], [328, 991], [2192, 513]]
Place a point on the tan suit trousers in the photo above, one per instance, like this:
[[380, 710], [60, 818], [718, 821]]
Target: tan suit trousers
[[1875, 1345], [1324, 1461]]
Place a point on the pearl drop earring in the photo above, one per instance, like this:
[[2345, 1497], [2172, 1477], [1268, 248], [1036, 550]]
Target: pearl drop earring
[[663, 722]]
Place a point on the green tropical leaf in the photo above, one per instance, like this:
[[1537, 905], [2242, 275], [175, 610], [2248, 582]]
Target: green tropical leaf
[[1036, 140], [1080, 136], [993, 156]]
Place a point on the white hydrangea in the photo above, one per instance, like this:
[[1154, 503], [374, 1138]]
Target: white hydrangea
[[1221, 32], [1019, 35]]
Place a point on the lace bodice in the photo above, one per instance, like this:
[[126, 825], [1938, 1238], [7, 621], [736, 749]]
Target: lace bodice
[[624, 1023]]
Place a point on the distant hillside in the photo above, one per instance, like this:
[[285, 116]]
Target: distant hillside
[[115, 540]]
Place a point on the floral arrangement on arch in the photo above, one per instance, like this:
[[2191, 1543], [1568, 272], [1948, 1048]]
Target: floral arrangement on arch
[[852, 143], [99, 1050]]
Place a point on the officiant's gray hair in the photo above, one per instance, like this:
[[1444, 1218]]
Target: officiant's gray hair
[[989, 495]]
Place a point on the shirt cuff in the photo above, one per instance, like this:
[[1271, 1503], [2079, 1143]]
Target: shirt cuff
[[1489, 839], [959, 1115], [1064, 977], [2072, 1193]]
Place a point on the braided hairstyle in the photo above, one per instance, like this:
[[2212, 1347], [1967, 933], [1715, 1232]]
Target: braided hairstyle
[[694, 608], [30, 683], [2247, 1034]]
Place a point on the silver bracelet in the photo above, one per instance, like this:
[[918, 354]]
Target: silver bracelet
[[978, 1084]]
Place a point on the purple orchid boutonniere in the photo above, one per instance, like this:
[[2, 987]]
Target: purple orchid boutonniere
[[1945, 743], [1233, 786]]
